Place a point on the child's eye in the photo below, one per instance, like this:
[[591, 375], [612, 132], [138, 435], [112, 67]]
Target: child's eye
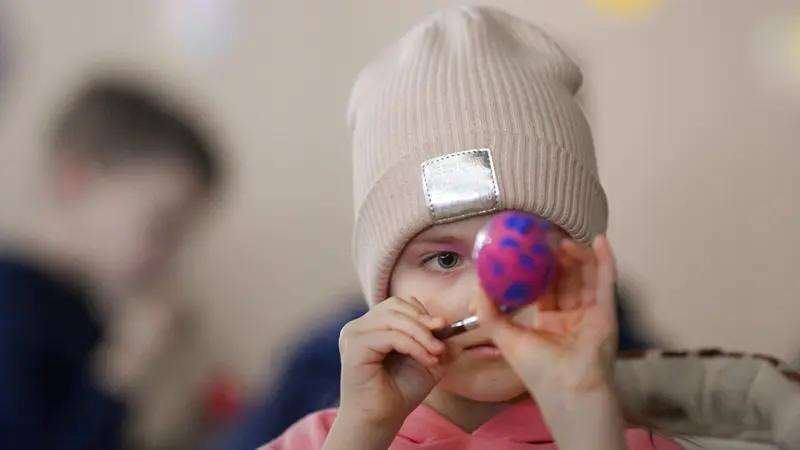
[[442, 261]]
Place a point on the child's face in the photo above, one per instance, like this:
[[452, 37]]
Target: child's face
[[129, 220], [437, 268]]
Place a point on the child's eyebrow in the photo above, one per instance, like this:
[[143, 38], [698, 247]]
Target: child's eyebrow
[[439, 239]]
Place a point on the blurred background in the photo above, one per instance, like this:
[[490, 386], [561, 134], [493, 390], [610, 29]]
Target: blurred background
[[695, 107]]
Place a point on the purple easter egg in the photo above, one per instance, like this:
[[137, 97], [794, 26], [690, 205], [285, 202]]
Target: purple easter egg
[[514, 259]]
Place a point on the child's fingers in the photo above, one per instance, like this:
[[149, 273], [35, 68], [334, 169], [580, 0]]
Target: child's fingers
[[588, 280], [416, 304], [579, 253], [429, 321], [397, 320], [603, 321], [505, 333], [606, 273], [576, 287], [568, 289], [564, 258], [410, 307], [569, 282], [378, 344]]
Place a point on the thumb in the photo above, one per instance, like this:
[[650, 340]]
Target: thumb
[[505, 333]]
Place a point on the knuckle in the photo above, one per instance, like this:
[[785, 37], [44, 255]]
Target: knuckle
[[386, 305], [391, 301], [396, 315], [347, 328], [347, 331], [420, 307]]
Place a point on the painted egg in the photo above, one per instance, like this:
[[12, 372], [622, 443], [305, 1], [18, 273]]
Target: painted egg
[[514, 259]]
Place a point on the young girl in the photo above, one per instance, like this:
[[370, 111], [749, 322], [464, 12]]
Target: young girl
[[472, 113]]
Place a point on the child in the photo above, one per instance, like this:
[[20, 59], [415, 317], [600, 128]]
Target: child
[[472, 113], [128, 178]]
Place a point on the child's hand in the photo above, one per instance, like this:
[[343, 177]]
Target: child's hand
[[390, 362], [565, 358], [571, 344], [137, 340]]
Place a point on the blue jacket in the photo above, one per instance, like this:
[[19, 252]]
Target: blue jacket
[[48, 397]]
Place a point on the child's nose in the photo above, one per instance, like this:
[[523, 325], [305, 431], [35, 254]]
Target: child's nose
[[455, 303]]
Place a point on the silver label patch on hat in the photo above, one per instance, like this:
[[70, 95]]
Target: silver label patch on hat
[[460, 185]]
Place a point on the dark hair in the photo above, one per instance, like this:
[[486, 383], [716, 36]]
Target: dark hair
[[114, 122]]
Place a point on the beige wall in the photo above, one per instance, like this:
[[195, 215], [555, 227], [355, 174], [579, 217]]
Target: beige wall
[[698, 154]]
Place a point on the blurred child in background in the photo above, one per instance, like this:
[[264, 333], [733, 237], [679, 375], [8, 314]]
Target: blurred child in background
[[128, 178]]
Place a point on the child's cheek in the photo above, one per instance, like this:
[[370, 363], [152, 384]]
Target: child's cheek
[[442, 309], [447, 297]]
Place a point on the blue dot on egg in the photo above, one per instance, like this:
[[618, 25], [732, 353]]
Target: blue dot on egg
[[519, 223], [517, 292], [527, 262], [508, 242], [497, 269], [539, 248]]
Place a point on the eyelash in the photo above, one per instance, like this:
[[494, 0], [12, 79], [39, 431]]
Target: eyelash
[[434, 258]]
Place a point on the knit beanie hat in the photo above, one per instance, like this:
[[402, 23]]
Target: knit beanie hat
[[471, 112]]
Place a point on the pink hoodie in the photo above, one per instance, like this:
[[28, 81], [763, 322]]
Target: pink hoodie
[[519, 427]]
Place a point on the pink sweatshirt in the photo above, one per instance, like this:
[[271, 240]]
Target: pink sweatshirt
[[519, 427]]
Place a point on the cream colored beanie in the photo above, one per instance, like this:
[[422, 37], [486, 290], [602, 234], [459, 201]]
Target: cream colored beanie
[[470, 112]]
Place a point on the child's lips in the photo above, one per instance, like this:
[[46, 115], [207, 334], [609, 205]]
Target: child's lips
[[484, 343], [483, 349]]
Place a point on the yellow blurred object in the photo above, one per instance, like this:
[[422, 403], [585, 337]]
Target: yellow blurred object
[[795, 47], [625, 9], [775, 55]]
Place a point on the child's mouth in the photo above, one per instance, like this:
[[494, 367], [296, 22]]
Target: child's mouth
[[484, 349]]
